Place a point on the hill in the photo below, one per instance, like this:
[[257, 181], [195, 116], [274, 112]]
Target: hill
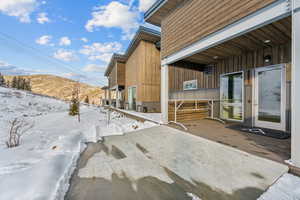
[[61, 88]]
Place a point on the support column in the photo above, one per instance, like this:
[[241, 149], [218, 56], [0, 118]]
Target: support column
[[296, 83], [109, 96], [118, 104], [164, 93]]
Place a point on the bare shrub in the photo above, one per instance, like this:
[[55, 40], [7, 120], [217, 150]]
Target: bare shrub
[[17, 128]]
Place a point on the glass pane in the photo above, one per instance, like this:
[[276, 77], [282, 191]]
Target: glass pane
[[232, 96], [232, 112], [269, 96]]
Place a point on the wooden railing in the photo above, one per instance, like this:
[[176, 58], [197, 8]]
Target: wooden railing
[[183, 110]]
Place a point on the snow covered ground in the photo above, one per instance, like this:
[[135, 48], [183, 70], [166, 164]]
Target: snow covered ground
[[286, 188], [156, 117], [41, 166]]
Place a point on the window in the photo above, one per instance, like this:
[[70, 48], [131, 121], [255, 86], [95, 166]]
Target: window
[[232, 96], [190, 85]]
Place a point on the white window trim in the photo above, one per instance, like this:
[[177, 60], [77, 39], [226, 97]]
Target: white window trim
[[243, 97]]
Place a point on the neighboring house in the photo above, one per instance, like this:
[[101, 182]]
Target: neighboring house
[[104, 98], [142, 84], [135, 76], [242, 57], [115, 73]]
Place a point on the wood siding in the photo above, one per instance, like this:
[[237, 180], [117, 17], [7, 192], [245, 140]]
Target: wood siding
[[121, 73], [113, 77], [117, 75], [195, 19], [180, 72], [143, 71]]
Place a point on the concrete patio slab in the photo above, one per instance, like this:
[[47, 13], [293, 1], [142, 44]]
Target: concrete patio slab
[[166, 163]]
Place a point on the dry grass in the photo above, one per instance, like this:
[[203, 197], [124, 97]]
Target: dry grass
[[61, 88]]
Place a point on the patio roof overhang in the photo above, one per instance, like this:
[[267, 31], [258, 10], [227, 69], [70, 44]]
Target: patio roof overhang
[[274, 34], [252, 32]]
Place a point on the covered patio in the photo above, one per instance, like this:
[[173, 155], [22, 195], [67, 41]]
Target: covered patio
[[271, 148], [240, 80]]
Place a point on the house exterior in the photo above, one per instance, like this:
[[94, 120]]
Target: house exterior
[[233, 60], [142, 72], [115, 72]]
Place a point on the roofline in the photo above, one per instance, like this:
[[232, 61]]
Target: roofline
[[114, 57], [157, 5], [140, 30]]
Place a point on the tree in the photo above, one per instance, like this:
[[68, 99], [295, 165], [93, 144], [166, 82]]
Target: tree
[[18, 127], [75, 102], [86, 100], [14, 83], [8, 83], [2, 80]]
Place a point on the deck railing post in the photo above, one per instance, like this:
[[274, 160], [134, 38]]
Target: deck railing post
[[175, 113], [295, 83], [164, 93]]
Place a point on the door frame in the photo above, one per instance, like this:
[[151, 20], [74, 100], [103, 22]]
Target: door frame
[[129, 88], [243, 103], [271, 125]]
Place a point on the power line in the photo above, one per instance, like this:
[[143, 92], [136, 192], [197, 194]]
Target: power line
[[42, 55]]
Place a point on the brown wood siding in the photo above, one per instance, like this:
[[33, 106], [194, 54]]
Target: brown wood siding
[[143, 70], [196, 19], [113, 77], [181, 72], [121, 73]]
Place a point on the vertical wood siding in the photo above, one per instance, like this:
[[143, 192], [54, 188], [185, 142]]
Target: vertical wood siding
[[196, 19], [143, 70], [121, 73], [180, 72], [113, 77], [117, 75]]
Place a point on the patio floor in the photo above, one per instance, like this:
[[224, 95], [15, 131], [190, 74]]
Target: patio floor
[[162, 163], [271, 148]]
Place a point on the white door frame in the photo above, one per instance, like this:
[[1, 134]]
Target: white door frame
[[243, 103], [129, 88], [271, 125]]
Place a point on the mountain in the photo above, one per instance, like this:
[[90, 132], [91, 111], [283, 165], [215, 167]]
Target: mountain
[[61, 88]]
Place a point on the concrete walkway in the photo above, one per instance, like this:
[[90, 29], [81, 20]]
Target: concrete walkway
[[163, 163]]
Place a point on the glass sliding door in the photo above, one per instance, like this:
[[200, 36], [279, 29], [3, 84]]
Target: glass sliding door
[[270, 97], [231, 96], [132, 98]]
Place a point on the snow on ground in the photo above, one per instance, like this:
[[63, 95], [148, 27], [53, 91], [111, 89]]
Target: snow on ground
[[155, 117], [41, 166], [286, 188]]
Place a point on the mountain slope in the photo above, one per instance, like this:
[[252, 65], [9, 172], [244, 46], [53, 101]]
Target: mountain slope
[[61, 88]]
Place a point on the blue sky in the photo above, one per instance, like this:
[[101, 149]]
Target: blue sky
[[65, 38]]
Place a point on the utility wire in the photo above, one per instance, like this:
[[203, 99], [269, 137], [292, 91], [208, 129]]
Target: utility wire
[[42, 55]]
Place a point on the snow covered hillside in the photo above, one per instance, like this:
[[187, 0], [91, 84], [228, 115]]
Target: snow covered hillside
[[41, 166]]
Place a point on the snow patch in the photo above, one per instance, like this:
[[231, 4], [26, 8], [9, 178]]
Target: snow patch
[[41, 167], [286, 188]]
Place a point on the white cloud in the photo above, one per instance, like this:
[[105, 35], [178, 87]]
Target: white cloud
[[7, 69], [114, 14], [42, 18], [93, 68], [21, 9], [144, 5], [64, 55], [101, 51], [44, 40], [65, 41], [84, 39]]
